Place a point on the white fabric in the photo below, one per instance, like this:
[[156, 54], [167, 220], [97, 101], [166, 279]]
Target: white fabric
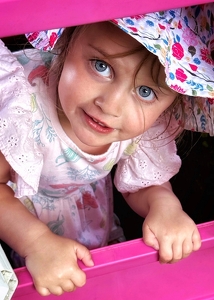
[[8, 279]]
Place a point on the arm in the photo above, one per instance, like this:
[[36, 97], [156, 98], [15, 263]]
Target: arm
[[51, 259], [167, 227]]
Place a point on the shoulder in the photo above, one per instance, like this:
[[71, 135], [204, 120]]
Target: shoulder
[[150, 159]]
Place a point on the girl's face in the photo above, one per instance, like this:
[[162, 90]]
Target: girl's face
[[102, 100]]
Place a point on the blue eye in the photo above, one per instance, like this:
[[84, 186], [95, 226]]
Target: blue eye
[[145, 92], [102, 67]]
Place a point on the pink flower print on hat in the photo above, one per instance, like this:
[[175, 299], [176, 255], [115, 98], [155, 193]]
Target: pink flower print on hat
[[181, 38]]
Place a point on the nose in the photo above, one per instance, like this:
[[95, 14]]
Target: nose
[[111, 100]]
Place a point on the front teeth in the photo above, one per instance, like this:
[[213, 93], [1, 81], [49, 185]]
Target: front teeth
[[98, 122]]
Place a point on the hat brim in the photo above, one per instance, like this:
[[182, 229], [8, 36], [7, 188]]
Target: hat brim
[[183, 40]]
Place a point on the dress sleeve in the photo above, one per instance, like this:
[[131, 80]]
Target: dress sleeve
[[16, 139], [152, 161]]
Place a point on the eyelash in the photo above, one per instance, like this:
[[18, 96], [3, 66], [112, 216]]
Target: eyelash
[[152, 94], [95, 60]]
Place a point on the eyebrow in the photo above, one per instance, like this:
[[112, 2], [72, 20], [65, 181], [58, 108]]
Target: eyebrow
[[160, 85], [100, 50]]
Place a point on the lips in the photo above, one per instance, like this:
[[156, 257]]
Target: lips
[[101, 124], [97, 126]]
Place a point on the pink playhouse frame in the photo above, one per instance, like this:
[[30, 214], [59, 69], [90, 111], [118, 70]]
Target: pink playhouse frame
[[128, 270]]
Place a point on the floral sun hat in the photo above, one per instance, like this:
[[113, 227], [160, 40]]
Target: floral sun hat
[[183, 40]]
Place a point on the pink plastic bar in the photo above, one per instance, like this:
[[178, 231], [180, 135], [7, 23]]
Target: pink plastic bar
[[131, 270], [22, 16]]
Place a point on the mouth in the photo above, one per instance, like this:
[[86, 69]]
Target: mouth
[[101, 124], [97, 125]]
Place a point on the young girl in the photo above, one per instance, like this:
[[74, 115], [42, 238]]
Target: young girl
[[103, 102]]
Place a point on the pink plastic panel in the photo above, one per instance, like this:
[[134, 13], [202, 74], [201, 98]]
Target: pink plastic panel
[[21, 16], [131, 271]]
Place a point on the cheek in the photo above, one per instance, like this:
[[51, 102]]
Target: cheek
[[68, 76], [134, 123], [68, 84], [155, 112], [149, 116]]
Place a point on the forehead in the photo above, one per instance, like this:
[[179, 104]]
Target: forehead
[[106, 34], [109, 40]]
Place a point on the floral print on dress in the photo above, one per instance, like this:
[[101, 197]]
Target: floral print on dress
[[88, 201], [87, 174], [56, 226], [66, 156], [43, 124]]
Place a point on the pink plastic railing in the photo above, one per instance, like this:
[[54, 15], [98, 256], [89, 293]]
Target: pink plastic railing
[[131, 271], [21, 16]]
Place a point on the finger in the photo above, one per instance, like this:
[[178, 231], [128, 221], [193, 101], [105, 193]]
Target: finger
[[149, 238], [84, 255], [68, 286], [165, 252], [196, 240], [187, 247], [56, 290], [42, 290], [78, 278], [180, 250]]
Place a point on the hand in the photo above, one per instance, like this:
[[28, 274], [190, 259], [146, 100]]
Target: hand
[[52, 263], [171, 231]]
